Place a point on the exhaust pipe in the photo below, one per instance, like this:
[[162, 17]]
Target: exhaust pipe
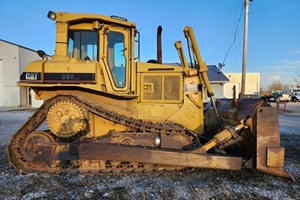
[[159, 48]]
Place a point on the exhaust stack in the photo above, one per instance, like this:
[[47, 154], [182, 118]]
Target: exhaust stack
[[159, 46]]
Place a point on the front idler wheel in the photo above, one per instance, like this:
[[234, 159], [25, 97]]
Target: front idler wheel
[[37, 147]]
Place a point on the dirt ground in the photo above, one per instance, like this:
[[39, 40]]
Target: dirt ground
[[196, 184]]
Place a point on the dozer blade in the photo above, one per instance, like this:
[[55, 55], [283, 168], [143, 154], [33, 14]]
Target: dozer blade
[[269, 154], [97, 151]]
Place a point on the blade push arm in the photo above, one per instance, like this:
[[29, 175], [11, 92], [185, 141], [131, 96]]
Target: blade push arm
[[178, 46], [201, 67]]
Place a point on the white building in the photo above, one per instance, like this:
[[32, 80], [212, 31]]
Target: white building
[[235, 79], [13, 60], [217, 81]]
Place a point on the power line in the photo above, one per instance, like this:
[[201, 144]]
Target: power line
[[272, 6], [235, 34]]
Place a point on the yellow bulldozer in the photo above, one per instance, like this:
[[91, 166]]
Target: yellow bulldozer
[[108, 113]]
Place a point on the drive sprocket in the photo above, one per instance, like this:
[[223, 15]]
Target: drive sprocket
[[66, 119]]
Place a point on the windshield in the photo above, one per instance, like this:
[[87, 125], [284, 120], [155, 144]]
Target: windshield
[[83, 44]]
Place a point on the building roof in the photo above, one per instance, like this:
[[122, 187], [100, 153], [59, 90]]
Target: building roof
[[214, 74], [17, 45]]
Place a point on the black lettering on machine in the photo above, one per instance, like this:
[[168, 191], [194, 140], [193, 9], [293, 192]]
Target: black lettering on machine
[[67, 76]]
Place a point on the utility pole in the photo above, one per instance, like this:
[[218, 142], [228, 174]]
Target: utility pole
[[243, 87]]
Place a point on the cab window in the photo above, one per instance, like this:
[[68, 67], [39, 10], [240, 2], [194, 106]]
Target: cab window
[[83, 44], [116, 58]]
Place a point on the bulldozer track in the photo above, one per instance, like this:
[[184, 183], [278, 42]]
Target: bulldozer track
[[17, 159]]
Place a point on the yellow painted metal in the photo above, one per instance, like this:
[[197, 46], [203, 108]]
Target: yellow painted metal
[[66, 119], [159, 68], [61, 62], [223, 136], [100, 126], [178, 46], [202, 69], [220, 138], [61, 40], [187, 71], [126, 52], [189, 33], [79, 17], [81, 26], [126, 106], [149, 87], [183, 110], [65, 67], [189, 115]]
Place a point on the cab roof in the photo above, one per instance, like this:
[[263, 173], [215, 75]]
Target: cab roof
[[80, 17]]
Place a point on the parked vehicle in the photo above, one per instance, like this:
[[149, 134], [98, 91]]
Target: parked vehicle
[[280, 96], [296, 97]]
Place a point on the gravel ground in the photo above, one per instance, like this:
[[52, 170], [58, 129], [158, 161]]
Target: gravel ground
[[196, 184]]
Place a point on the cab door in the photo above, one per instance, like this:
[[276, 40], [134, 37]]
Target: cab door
[[116, 57]]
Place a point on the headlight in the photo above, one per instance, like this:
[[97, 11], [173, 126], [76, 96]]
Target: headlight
[[51, 15]]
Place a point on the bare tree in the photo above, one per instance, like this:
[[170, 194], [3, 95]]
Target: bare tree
[[297, 80], [276, 85]]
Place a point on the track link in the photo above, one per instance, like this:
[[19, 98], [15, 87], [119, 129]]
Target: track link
[[17, 159]]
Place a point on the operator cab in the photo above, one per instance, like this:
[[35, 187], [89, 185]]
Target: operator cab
[[107, 41], [84, 45], [107, 44]]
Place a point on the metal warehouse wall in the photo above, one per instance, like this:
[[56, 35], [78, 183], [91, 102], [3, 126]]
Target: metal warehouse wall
[[13, 60]]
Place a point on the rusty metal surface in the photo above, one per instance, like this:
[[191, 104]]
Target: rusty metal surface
[[159, 45], [260, 146], [130, 138], [31, 151], [269, 155], [94, 151], [275, 157], [242, 109]]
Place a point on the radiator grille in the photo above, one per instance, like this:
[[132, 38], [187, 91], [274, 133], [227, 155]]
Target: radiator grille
[[161, 88], [154, 91], [171, 87]]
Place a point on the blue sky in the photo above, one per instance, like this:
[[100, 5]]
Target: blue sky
[[273, 43]]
